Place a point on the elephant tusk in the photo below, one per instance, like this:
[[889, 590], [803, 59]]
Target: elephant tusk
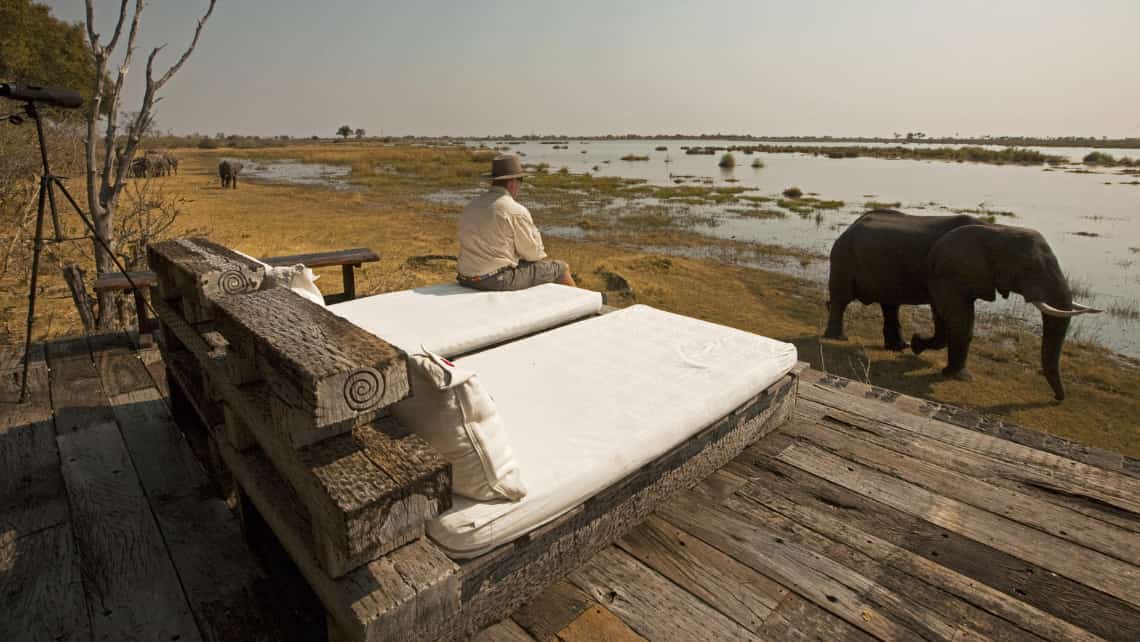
[[1077, 310], [1086, 309]]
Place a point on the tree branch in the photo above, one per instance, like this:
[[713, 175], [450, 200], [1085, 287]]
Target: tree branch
[[118, 25], [186, 54]]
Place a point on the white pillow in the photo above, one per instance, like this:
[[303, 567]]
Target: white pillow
[[450, 410], [297, 278]]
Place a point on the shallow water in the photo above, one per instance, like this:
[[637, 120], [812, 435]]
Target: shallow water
[[1058, 203], [297, 173]]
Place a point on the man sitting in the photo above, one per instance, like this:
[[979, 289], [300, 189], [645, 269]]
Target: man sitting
[[499, 246]]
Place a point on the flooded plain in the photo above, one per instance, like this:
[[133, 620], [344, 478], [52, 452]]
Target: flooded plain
[[1090, 216], [298, 173]]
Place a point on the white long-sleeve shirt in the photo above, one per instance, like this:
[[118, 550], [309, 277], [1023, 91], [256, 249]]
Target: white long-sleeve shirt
[[495, 231]]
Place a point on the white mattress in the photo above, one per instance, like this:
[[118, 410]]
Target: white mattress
[[450, 319], [589, 403]]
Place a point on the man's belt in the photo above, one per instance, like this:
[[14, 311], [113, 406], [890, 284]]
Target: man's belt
[[482, 277]]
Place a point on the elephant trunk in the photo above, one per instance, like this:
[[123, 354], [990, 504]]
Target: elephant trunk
[[1052, 339]]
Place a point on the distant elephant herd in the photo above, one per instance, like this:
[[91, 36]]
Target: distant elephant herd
[[154, 163], [157, 162]]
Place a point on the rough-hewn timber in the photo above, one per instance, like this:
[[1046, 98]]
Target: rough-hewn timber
[[366, 492]]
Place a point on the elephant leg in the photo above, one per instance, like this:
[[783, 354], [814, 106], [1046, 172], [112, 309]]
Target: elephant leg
[[892, 329], [919, 344], [835, 310], [959, 333]]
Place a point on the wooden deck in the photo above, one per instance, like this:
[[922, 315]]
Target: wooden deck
[[869, 515]]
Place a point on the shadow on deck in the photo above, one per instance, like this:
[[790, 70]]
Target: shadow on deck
[[868, 515]]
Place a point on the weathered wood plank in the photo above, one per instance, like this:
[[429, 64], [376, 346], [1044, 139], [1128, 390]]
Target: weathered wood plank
[[41, 593], [733, 589], [1048, 592], [508, 576], [598, 624], [1120, 486], [230, 596], [12, 359], [130, 582], [115, 359], [798, 620], [650, 604], [196, 272], [75, 387], [32, 495], [928, 610], [1060, 490], [552, 610], [736, 530], [1106, 574], [1049, 518], [374, 602], [504, 631], [844, 389], [1030, 619], [325, 374]]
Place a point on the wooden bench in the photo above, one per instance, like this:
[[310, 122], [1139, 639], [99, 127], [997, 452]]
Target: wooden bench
[[303, 428], [349, 260]]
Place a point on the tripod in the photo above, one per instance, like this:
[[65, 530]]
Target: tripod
[[48, 183]]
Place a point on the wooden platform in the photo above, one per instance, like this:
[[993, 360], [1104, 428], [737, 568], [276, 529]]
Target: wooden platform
[[869, 515]]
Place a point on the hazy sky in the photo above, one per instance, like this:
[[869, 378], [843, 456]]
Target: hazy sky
[[867, 67]]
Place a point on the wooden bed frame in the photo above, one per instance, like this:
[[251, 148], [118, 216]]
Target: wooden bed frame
[[295, 403]]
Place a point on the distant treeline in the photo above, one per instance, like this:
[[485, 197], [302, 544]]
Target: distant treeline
[[1005, 141]]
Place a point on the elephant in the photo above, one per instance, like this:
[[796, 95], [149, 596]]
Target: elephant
[[149, 165], [228, 171], [948, 262], [170, 160]]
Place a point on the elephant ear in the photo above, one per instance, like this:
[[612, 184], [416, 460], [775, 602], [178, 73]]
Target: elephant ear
[[963, 257]]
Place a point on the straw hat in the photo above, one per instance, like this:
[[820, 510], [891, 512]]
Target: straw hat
[[506, 166]]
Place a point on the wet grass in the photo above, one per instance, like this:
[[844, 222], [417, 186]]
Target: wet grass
[[881, 205], [634, 157], [727, 161], [1129, 310], [758, 212], [1080, 288], [984, 212], [1102, 159], [967, 154]]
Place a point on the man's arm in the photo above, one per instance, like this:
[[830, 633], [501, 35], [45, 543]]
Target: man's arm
[[528, 241]]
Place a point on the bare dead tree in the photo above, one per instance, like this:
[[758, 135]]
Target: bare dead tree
[[105, 179]]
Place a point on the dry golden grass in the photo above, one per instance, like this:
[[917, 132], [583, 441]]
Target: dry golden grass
[[1103, 404]]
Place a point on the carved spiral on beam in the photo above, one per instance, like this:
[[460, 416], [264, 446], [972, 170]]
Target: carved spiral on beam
[[234, 282], [363, 389]]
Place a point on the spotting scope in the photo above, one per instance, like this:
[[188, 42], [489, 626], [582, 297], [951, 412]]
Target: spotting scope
[[54, 96]]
